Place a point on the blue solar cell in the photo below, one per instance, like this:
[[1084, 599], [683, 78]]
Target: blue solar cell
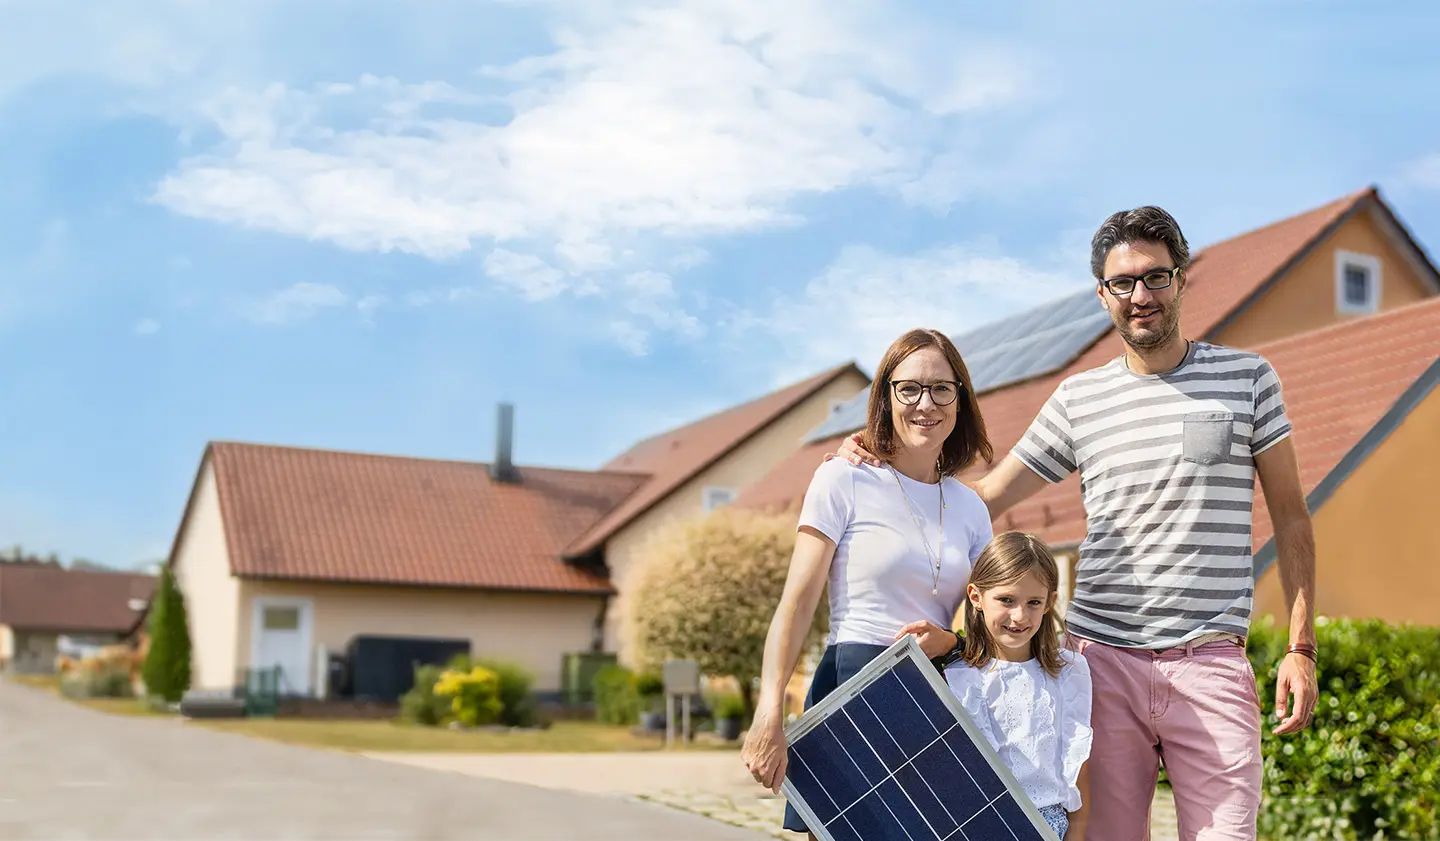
[[891, 754]]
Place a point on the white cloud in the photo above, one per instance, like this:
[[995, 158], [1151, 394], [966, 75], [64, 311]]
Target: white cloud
[[1424, 173], [296, 303], [646, 130], [146, 327], [866, 298]]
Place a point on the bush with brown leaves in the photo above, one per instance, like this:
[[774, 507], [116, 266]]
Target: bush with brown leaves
[[706, 590]]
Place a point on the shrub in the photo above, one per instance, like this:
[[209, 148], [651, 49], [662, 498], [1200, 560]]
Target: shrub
[[520, 709], [706, 590], [167, 663], [1369, 764], [99, 677], [617, 696], [474, 695], [421, 705]]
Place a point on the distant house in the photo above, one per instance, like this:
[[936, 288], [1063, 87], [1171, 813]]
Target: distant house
[[344, 568], [700, 466], [1343, 301], [46, 611]]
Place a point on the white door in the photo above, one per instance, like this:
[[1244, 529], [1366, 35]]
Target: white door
[[282, 638]]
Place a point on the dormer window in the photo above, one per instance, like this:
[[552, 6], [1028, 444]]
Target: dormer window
[[1357, 283]]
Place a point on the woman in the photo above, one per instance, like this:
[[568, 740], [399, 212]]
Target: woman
[[893, 542]]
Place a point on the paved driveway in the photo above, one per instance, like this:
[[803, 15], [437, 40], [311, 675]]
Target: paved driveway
[[69, 772]]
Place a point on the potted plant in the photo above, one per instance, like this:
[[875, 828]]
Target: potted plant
[[729, 716], [651, 690]]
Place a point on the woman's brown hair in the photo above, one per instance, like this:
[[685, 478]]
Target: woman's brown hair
[[964, 443], [1008, 557]]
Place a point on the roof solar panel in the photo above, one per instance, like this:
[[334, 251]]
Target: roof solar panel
[[891, 754], [1029, 344]]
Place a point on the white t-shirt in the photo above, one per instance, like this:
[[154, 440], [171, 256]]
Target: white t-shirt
[[881, 576], [1039, 725]]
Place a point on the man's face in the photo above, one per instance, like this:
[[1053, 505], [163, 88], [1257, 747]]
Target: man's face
[[1146, 318]]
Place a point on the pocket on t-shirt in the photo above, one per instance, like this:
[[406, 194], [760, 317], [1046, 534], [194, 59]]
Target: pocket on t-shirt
[[1208, 436]]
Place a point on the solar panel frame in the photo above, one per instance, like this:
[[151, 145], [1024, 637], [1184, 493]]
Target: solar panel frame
[[904, 650]]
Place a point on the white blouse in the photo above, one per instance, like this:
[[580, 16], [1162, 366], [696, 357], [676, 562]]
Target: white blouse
[[1039, 725]]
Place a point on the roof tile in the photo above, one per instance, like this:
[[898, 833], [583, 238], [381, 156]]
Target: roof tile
[[48, 598], [311, 514]]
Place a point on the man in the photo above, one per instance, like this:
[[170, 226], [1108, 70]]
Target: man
[[1168, 439]]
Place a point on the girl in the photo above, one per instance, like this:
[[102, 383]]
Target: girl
[[892, 543], [1027, 694]]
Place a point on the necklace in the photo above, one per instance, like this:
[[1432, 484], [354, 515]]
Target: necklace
[[933, 557]]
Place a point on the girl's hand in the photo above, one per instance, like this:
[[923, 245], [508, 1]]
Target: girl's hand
[[765, 751], [934, 640]]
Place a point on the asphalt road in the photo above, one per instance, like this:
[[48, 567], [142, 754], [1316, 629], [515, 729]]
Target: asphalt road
[[70, 772]]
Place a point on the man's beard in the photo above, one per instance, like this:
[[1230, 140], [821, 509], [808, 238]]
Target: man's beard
[[1150, 337]]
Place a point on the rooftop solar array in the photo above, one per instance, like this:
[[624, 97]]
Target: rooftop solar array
[[891, 754], [1029, 344]]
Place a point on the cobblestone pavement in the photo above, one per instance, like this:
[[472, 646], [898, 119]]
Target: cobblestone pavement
[[709, 783], [70, 772]]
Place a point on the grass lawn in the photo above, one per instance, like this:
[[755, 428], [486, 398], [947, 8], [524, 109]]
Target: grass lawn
[[382, 735], [561, 737]]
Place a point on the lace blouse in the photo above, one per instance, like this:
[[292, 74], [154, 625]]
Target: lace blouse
[[1039, 725]]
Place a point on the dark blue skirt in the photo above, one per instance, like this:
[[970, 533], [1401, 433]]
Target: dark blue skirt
[[838, 664]]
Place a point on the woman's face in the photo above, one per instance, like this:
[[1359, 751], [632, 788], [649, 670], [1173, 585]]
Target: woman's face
[[927, 420]]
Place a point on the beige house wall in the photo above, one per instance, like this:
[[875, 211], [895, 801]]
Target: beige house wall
[[534, 630], [1375, 555], [212, 596], [1304, 299], [745, 464]]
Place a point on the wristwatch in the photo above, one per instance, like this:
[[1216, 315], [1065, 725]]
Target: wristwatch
[[953, 654]]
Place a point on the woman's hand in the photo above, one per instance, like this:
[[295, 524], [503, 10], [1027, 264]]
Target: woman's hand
[[765, 752], [934, 640]]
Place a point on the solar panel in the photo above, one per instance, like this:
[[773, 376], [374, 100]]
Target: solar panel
[[1030, 344], [891, 754]]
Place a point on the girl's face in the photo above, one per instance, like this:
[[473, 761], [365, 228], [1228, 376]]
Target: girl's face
[[1012, 613]]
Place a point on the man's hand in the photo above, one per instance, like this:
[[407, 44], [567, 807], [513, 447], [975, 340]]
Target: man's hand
[[852, 452], [934, 640], [1297, 681]]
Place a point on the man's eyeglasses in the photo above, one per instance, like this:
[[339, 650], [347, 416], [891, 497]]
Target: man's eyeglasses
[[1122, 285], [909, 392]]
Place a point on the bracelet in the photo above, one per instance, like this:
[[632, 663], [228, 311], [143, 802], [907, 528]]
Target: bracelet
[[1303, 649]]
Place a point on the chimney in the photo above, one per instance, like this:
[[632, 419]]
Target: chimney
[[502, 469]]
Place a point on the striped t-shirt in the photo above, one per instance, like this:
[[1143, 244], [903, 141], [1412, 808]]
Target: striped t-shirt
[[1168, 480]]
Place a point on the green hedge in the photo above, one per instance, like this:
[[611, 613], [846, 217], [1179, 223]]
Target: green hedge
[[1369, 765]]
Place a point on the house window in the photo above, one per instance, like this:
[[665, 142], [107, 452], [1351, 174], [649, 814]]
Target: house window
[[717, 497], [1357, 283], [282, 618]]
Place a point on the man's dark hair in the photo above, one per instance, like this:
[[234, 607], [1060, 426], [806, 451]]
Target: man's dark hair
[[1142, 224]]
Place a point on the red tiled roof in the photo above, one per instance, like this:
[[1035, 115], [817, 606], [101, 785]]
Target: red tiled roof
[[323, 515], [1338, 381], [47, 598], [1223, 279], [674, 457]]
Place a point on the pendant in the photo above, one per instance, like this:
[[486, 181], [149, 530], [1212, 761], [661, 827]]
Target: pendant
[[934, 591]]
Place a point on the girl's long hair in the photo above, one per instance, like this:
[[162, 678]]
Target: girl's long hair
[[1008, 557]]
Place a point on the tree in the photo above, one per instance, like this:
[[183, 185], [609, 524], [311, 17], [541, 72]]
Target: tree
[[167, 664], [706, 590]]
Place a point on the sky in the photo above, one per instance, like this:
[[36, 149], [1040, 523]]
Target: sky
[[362, 226]]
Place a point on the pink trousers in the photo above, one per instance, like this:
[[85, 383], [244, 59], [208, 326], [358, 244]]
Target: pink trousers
[[1195, 708]]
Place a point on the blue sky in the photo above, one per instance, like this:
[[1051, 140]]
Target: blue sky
[[363, 225]]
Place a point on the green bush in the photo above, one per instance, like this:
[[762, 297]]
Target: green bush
[[166, 670], [515, 682], [104, 680], [1369, 765], [617, 696], [474, 695], [421, 705]]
